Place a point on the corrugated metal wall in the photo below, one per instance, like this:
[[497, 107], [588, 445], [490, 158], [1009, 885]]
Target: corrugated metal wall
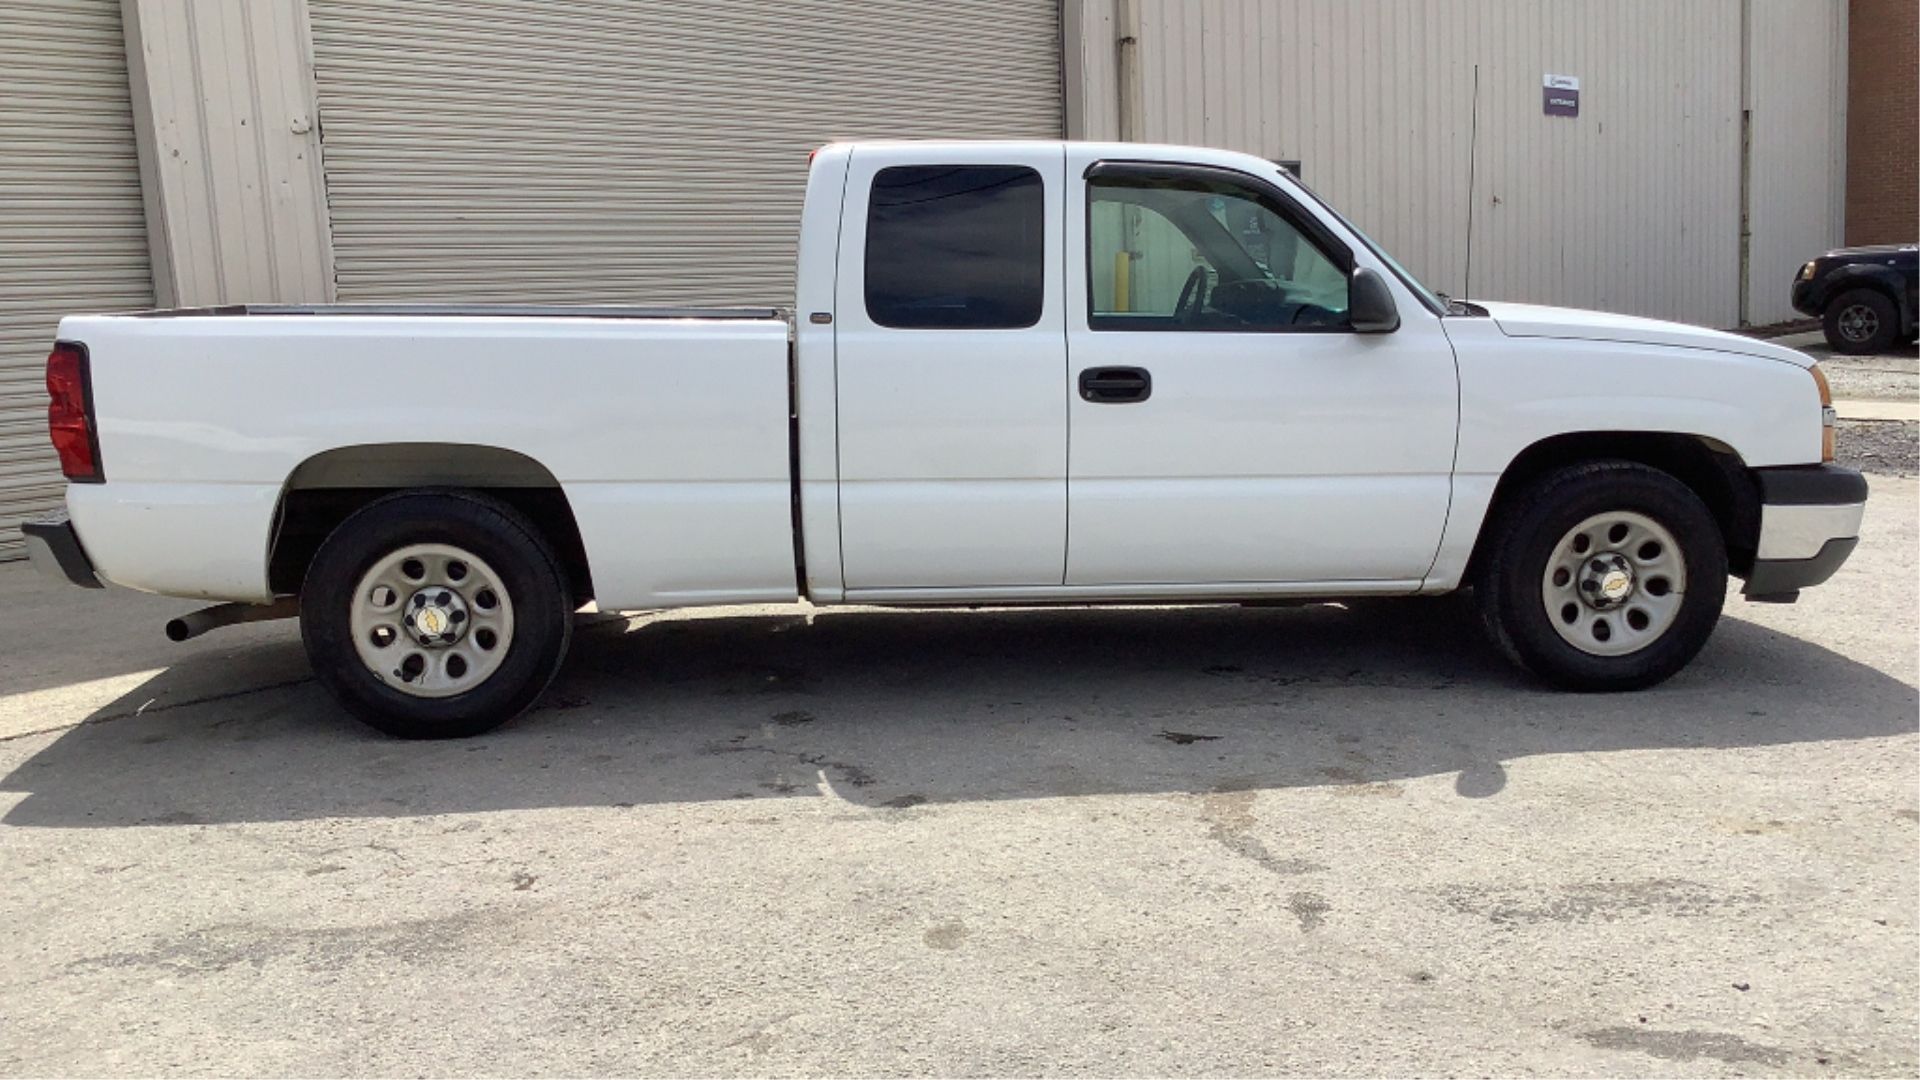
[[72, 233], [223, 105], [1373, 99], [581, 150], [1798, 95], [1632, 206]]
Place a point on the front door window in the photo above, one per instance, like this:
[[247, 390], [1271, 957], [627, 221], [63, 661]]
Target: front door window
[[1183, 253]]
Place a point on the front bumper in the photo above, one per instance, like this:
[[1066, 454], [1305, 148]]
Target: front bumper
[[1802, 298], [1809, 524], [54, 548]]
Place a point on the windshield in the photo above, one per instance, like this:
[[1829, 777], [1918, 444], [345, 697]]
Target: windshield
[[1427, 296]]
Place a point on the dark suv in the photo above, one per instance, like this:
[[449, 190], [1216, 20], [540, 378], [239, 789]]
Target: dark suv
[[1863, 296]]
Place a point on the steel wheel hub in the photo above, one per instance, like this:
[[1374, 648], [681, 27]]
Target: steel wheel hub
[[437, 617], [1614, 584], [431, 620], [1606, 582]]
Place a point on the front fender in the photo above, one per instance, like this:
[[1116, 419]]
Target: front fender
[[1516, 392], [1869, 275]]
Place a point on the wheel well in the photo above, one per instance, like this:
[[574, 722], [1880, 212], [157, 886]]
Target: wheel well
[[1710, 468], [329, 487], [1862, 284], [1871, 283]]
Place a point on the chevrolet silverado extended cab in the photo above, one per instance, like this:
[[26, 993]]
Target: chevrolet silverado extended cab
[[1014, 373]]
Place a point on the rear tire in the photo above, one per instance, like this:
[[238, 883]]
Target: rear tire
[[1603, 576], [1861, 322], [436, 615]]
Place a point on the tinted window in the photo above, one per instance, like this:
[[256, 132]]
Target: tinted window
[[955, 247], [1185, 253]]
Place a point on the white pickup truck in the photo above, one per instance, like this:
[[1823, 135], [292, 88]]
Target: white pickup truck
[[1014, 373]]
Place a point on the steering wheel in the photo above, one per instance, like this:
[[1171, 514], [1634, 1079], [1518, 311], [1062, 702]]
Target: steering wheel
[[1193, 296]]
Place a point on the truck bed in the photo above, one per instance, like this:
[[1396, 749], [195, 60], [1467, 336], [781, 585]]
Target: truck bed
[[505, 311], [666, 428]]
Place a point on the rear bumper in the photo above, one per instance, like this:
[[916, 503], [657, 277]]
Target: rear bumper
[[1809, 524], [54, 548]]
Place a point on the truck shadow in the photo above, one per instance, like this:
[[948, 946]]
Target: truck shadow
[[893, 709]]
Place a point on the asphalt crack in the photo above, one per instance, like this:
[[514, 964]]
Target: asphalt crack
[[854, 775], [146, 711], [1229, 815]]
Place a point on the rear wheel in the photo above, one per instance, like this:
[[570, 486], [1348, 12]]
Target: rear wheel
[[435, 614], [1604, 576], [1861, 321]]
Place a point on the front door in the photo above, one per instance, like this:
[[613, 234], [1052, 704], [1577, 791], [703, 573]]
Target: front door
[[1226, 425], [950, 370]]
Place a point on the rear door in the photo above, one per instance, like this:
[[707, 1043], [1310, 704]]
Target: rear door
[[951, 369]]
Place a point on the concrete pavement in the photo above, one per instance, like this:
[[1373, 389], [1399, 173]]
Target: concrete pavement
[[1908, 411], [1193, 841]]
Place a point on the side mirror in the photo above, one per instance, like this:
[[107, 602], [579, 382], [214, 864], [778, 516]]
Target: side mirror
[[1370, 307]]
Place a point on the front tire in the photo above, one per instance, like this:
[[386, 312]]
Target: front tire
[[1603, 576], [1861, 322], [436, 615]]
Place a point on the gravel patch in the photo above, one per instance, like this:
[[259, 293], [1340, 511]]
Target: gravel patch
[[1889, 447], [1894, 376]]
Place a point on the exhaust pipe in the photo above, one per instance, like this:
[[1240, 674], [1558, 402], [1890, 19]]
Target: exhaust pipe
[[193, 624]]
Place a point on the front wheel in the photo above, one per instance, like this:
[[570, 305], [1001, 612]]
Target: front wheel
[[1603, 576], [1861, 322], [435, 615]]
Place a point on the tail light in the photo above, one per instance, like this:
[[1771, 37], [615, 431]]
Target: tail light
[[70, 413]]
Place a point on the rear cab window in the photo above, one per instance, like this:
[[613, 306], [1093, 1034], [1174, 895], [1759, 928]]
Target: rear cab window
[[956, 247]]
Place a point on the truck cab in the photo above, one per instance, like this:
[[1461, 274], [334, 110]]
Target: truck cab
[[1091, 371]]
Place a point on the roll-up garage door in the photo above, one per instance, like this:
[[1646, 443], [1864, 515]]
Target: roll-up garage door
[[599, 151], [73, 235]]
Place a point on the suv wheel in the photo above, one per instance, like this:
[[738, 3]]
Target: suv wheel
[[1603, 576], [1861, 321]]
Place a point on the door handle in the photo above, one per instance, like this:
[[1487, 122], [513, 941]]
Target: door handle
[[1115, 385]]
